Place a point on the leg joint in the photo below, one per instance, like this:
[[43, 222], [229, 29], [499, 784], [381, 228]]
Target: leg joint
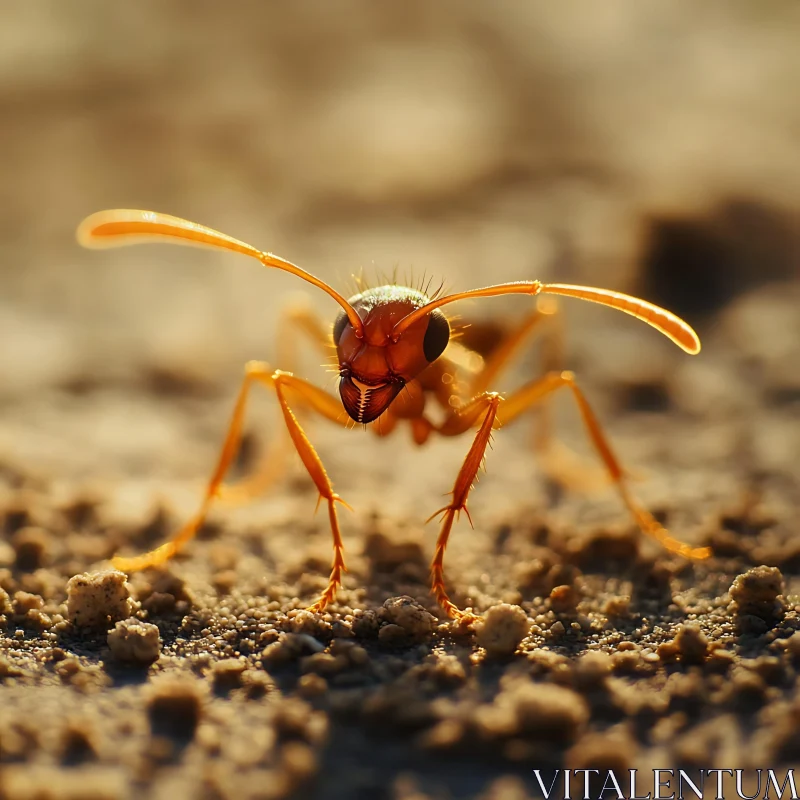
[[279, 377], [254, 368], [568, 377]]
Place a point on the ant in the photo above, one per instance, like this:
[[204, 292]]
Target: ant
[[389, 341]]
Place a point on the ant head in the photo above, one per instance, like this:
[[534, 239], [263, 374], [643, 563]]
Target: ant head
[[375, 366]]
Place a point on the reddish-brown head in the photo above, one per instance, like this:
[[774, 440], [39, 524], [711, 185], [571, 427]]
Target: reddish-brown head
[[375, 366]]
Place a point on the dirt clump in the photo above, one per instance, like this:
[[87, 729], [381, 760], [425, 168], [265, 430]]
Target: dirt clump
[[175, 707], [502, 629], [135, 642], [757, 598], [405, 618], [94, 600]]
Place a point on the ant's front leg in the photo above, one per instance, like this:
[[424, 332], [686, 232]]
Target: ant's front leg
[[284, 384], [296, 320], [517, 403], [459, 422]]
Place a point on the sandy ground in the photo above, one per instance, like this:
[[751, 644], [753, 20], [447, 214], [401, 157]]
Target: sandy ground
[[648, 152]]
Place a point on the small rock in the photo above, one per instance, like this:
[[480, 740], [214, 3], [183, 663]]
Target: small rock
[[758, 593], [224, 580], [564, 599], [25, 602], [692, 644], [366, 623], [78, 743], [159, 604], [445, 735], [503, 628], [545, 711], [174, 708], [228, 674], [720, 660], [591, 669], [299, 761], [617, 607], [135, 642], [289, 647], [96, 599], [406, 612], [257, 684], [668, 652], [31, 547], [310, 623]]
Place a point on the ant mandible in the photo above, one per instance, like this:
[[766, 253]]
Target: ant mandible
[[389, 339]]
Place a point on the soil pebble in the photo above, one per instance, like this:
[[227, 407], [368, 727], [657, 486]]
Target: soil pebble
[[406, 617], [691, 643], [94, 600], [174, 707], [757, 597], [503, 627], [135, 642]]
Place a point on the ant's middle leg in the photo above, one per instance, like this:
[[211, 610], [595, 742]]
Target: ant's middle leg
[[544, 319], [297, 317], [284, 384], [556, 460]]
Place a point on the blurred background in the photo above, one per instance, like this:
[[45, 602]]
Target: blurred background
[[650, 149]]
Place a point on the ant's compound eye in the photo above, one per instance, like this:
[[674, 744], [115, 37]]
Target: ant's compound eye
[[339, 326], [437, 336]]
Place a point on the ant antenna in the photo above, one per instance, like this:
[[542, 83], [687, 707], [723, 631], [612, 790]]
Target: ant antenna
[[672, 326], [121, 226]]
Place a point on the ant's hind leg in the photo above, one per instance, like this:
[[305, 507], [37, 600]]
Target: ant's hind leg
[[537, 391], [285, 384]]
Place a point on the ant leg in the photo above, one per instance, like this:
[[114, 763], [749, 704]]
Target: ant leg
[[284, 384], [535, 392], [296, 317], [556, 460], [501, 356], [329, 406], [460, 422], [230, 447]]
